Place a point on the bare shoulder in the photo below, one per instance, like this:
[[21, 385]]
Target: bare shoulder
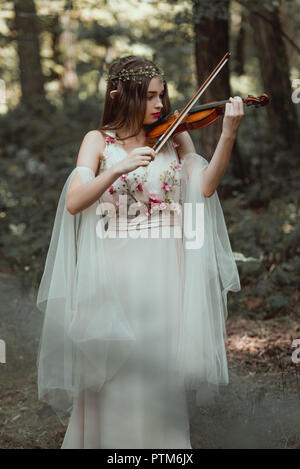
[[91, 150], [95, 138]]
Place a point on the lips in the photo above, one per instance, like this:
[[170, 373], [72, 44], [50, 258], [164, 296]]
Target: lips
[[156, 115]]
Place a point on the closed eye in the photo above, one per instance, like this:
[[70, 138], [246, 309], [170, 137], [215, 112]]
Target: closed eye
[[161, 96]]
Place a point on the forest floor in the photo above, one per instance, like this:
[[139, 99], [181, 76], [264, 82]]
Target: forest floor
[[260, 408]]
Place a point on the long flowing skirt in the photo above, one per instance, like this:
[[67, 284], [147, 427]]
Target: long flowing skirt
[[144, 405]]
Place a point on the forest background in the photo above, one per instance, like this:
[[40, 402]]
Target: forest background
[[53, 60]]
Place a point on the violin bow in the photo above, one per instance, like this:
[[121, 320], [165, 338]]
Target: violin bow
[[168, 133]]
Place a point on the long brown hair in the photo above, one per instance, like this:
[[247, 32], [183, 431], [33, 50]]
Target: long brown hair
[[127, 109]]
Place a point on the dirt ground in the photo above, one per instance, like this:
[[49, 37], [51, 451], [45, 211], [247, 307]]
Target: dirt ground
[[260, 408]]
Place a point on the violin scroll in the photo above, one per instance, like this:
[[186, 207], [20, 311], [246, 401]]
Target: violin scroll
[[263, 100]]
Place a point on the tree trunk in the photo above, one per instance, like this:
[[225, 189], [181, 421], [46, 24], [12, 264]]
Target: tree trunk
[[211, 44], [31, 77], [274, 68]]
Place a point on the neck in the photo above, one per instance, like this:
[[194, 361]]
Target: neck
[[122, 133]]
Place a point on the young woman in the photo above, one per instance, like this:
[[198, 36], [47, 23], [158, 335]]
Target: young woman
[[135, 284]]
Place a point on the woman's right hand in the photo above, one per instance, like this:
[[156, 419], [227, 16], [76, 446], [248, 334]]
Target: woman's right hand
[[141, 156]]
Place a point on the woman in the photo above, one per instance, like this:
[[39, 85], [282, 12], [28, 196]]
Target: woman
[[134, 307]]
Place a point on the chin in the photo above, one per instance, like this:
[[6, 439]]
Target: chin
[[150, 120]]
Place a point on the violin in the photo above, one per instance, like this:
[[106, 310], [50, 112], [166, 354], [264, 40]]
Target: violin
[[201, 116], [198, 117]]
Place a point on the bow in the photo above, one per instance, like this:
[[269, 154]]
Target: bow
[[168, 133]]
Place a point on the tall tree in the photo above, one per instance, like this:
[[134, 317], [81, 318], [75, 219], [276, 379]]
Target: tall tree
[[274, 68], [211, 43], [27, 35]]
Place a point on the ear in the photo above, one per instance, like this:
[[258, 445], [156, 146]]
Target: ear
[[113, 94]]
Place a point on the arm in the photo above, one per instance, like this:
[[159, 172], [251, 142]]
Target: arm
[[82, 195], [186, 145], [212, 175], [218, 164]]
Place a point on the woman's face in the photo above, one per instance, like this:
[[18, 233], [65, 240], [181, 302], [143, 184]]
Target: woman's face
[[154, 100]]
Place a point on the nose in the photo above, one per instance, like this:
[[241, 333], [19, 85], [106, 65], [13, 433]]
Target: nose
[[159, 103]]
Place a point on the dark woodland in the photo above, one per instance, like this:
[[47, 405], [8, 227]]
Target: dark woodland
[[53, 59]]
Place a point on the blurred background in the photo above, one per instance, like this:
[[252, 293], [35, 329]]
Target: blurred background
[[53, 59]]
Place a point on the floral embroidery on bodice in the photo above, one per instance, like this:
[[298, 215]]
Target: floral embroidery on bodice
[[156, 187]]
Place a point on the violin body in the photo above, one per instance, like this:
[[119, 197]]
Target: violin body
[[200, 116]]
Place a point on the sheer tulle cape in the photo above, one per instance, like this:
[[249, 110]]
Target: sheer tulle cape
[[210, 272], [86, 336]]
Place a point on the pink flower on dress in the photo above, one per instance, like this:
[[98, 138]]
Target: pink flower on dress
[[111, 190], [110, 140], [176, 167], [123, 177], [154, 200], [175, 145], [148, 213], [140, 187], [163, 206], [166, 186]]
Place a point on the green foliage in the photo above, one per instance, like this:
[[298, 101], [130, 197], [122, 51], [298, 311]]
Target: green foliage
[[263, 217], [39, 147]]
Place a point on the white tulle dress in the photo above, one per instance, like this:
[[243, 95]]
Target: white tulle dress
[[135, 305]]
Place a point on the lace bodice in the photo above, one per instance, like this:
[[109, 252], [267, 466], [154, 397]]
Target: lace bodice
[[155, 187]]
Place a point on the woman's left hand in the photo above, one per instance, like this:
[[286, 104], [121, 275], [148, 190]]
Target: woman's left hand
[[234, 111]]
